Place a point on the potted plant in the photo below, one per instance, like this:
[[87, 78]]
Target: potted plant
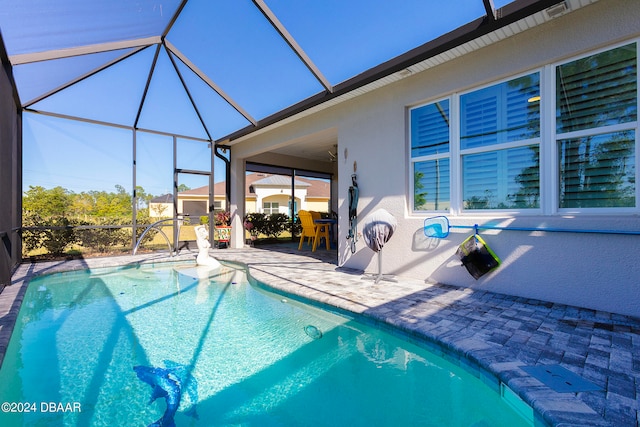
[[222, 229]]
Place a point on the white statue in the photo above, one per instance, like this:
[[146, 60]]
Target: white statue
[[203, 257]]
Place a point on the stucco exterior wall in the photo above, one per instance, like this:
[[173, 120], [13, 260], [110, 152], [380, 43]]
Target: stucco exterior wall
[[317, 205], [587, 270]]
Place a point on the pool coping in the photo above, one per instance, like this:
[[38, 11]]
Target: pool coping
[[443, 317]]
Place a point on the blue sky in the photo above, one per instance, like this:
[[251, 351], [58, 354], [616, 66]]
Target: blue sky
[[229, 40]]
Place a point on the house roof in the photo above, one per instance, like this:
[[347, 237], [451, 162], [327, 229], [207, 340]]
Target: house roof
[[220, 70], [315, 188], [165, 198], [278, 181]]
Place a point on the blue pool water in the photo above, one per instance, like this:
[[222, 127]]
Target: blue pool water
[[131, 346]]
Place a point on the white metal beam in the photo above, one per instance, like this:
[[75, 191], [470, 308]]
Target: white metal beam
[[27, 58], [82, 77], [273, 19]]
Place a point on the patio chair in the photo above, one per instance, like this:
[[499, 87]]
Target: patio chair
[[322, 230], [308, 228], [311, 230]]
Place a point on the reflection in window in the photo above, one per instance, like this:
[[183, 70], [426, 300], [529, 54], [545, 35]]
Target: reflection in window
[[597, 165], [430, 129], [431, 185], [597, 171], [599, 90], [505, 112], [504, 179]]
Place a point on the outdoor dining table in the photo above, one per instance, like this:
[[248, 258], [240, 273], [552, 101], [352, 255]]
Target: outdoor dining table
[[328, 222]]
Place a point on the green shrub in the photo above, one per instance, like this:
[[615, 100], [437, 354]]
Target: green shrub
[[55, 240], [276, 224], [104, 239], [269, 225], [142, 222]]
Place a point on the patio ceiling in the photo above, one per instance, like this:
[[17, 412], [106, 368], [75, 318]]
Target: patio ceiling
[[219, 70]]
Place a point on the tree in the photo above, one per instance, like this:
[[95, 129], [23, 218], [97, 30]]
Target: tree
[[47, 203], [112, 205], [419, 198], [142, 198]]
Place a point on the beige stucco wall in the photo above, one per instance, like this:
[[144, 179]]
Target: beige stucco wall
[[317, 205], [250, 206], [596, 271]]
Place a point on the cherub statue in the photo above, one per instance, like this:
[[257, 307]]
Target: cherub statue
[[203, 257]]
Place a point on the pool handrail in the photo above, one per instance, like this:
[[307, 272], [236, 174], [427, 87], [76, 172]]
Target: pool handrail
[[173, 250]]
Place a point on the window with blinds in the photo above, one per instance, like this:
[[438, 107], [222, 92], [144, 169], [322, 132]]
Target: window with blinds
[[430, 157], [595, 95], [500, 166], [431, 186], [486, 146], [502, 179], [430, 129]]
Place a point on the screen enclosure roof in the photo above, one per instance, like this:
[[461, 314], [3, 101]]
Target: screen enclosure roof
[[220, 69]]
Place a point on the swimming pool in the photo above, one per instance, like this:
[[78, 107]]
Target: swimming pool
[[131, 346]]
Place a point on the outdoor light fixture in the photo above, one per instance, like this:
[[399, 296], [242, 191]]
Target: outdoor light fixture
[[534, 99]]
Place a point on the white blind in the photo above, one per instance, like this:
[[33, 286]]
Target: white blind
[[505, 112]]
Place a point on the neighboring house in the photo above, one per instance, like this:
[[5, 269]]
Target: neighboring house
[[272, 194], [161, 206], [264, 193]]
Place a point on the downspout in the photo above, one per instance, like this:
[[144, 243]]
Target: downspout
[[227, 172]]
